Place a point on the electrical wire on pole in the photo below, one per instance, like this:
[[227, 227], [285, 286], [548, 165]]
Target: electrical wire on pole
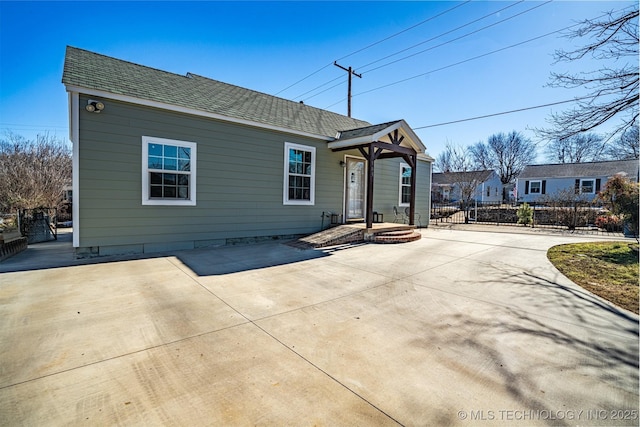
[[351, 72]]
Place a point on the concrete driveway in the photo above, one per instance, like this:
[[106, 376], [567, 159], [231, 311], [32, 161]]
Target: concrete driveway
[[459, 328]]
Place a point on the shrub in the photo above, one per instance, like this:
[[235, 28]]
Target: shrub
[[621, 195], [609, 222], [525, 214]]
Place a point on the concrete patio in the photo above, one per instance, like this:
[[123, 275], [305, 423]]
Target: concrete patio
[[459, 328]]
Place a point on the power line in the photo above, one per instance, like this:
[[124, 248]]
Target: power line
[[371, 45], [431, 48], [304, 78], [458, 38], [502, 113], [456, 63], [439, 35], [351, 73], [405, 30]]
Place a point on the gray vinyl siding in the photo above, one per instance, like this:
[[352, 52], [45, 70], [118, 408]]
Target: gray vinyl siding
[[240, 175], [494, 183], [239, 180], [387, 189], [554, 186]]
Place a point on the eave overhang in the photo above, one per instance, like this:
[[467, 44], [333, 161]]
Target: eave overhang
[[190, 111], [383, 136]]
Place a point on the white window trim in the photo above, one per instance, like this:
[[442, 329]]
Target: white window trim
[[285, 187], [539, 181], [593, 185], [400, 203], [145, 173]]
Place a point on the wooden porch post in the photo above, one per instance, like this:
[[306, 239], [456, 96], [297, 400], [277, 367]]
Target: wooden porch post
[[412, 202], [370, 161]]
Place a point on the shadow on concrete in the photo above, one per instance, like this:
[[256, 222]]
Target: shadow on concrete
[[599, 343], [58, 253], [204, 262], [234, 259]]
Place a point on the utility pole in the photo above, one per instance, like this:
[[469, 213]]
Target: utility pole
[[351, 72]]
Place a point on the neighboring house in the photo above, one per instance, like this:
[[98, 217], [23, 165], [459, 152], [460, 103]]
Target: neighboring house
[[536, 182], [446, 186], [164, 161]]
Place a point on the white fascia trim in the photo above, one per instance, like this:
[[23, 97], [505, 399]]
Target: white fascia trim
[[74, 136], [415, 141], [191, 111]]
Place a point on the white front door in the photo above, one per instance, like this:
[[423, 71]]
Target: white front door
[[355, 189]]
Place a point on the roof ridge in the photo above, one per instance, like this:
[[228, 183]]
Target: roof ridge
[[95, 71], [582, 163], [186, 76], [301, 104], [372, 125]]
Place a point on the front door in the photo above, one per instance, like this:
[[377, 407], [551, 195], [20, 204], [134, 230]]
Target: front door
[[355, 189]]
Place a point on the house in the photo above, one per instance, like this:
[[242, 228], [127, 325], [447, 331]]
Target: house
[[482, 185], [163, 161], [536, 182]]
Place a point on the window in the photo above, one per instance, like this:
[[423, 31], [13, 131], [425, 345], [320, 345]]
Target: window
[[168, 172], [587, 186], [488, 191], [535, 187], [405, 184], [299, 174]]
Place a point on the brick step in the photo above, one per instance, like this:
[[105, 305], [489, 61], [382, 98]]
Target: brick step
[[397, 237], [396, 233]]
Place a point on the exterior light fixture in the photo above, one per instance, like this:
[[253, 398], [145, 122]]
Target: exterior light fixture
[[343, 164], [94, 106]]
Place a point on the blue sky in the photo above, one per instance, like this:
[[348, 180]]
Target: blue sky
[[268, 46]]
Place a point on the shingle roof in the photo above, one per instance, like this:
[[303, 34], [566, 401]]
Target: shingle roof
[[576, 170], [89, 70], [456, 177], [365, 131]]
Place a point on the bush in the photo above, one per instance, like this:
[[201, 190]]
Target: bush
[[525, 214], [621, 195], [609, 222]]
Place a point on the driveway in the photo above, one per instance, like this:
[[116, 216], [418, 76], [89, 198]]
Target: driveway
[[459, 328]]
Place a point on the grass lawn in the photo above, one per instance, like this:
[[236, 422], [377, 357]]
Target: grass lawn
[[608, 269]]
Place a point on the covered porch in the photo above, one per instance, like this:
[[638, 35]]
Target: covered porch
[[383, 141]]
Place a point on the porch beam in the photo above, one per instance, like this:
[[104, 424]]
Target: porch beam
[[394, 148]]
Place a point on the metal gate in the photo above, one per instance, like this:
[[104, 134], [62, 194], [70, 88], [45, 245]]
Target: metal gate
[[39, 225]]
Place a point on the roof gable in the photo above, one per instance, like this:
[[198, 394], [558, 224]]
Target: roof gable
[[577, 170], [379, 132], [94, 72]]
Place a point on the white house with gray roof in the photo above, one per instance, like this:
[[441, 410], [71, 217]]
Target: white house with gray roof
[[487, 187], [536, 182], [165, 161]]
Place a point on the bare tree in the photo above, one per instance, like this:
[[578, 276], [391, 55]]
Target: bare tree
[[33, 173], [507, 154], [626, 147], [463, 173], [613, 92], [584, 147]]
